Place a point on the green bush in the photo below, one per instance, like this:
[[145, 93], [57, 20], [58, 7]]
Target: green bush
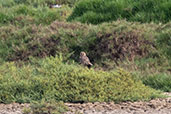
[[98, 11], [40, 41], [52, 79], [103, 44], [62, 37]]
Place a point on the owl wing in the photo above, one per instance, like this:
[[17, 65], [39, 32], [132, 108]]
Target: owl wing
[[86, 60]]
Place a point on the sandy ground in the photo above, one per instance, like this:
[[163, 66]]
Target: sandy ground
[[157, 106]]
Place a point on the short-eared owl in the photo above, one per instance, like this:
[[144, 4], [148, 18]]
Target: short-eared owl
[[85, 60]]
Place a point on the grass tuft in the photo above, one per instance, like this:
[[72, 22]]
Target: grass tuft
[[159, 81]]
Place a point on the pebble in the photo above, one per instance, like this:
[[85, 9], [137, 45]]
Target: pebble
[[157, 106]]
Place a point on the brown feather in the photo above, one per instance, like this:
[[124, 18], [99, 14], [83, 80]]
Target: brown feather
[[85, 60]]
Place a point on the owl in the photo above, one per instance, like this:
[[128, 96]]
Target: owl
[[85, 60]]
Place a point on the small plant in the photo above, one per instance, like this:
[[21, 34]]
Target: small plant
[[46, 107], [26, 110]]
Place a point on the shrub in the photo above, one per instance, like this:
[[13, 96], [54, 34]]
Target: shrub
[[38, 41], [108, 45], [52, 79], [98, 11], [18, 39], [116, 41]]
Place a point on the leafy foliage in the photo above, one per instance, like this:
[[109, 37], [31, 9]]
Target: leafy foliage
[[52, 79]]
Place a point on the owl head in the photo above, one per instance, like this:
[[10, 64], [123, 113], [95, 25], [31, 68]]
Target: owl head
[[82, 54]]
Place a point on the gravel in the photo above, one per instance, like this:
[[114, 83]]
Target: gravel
[[156, 106], [13, 108]]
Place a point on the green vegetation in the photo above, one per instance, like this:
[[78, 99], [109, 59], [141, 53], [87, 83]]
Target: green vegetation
[[37, 3], [24, 15], [98, 11], [160, 81], [39, 51], [50, 78], [42, 107], [116, 41]]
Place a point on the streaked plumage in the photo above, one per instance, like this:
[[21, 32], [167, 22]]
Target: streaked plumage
[[85, 60]]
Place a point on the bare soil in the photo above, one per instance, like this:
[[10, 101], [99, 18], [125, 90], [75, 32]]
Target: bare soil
[[156, 106]]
